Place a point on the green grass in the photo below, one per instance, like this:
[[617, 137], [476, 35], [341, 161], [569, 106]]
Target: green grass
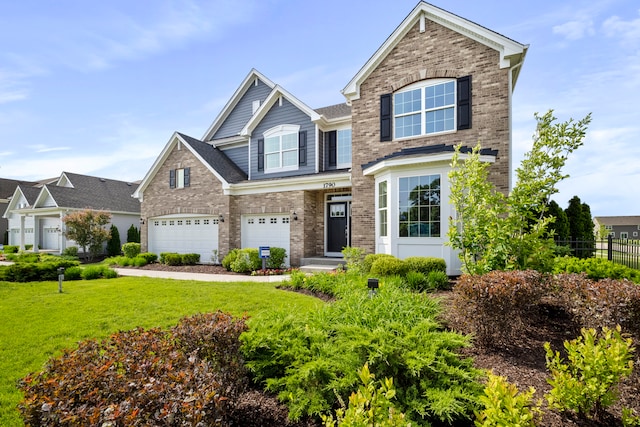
[[36, 321]]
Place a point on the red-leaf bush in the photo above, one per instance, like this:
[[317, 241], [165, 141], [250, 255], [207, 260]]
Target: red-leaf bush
[[495, 307], [141, 377]]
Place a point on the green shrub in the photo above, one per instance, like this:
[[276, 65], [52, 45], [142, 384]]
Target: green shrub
[[496, 307], [354, 258], [425, 265], [139, 377], [230, 258], [416, 281], [29, 257], [438, 280], [587, 383], [596, 268], [139, 261], [505, 406], [73, 273], [310, 359], [370, 406], [368, 260], [70, 251], [131, 249], [149, 257], [247, 260], [189, 259], [170, 258], [388, 266], [93, 272], [35, 271], [11, 249], [113, 243], [276, 258]]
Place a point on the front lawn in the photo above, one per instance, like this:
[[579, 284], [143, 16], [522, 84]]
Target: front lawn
[[37, 321]]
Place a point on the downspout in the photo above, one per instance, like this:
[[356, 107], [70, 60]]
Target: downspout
[[511, 72]]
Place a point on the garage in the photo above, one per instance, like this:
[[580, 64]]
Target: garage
[[271, 230], [184, 234]]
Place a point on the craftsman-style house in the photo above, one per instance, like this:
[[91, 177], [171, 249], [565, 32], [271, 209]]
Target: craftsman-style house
[[370, 173]]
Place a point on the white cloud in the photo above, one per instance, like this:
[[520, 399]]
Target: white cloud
[[575, 30], [629, 31]]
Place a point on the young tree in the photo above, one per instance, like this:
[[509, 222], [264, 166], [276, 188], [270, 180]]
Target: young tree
[[493, 231], [87, 229], [560, 226], [113, 244]]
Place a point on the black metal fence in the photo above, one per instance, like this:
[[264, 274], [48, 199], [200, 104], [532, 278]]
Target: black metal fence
[[620, 251]]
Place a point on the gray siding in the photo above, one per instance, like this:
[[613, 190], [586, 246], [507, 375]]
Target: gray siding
[[288, 114], [240, 157], [242, 112]]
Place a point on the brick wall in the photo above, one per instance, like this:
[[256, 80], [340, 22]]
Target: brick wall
[[436, 53]]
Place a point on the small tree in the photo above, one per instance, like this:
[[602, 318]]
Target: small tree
[[87, 229], [133, 234], [494, 231], [113, 244]]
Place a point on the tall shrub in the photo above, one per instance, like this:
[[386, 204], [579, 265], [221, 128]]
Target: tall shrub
[[133, 234], [113, 244]]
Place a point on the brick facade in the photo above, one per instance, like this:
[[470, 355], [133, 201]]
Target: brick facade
[[436, 53]]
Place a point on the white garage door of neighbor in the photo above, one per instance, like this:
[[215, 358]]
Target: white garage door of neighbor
[[184, 235], [266, 230]]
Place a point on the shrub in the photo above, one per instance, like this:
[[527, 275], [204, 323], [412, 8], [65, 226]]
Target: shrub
[[24, 257], [310, 359], [29, 272], [276, 257], [170, 258], [596, 268], [139, 377], [11, 249], [438, 280], [247, 260], [149, 257], [70, 251], [354, 258], [73, 273], [505, 406], [230, 258], [131, 249], [496, 306], [113, 243], [93, 272], [425, 265], [368, 260], [189, 259], [370, 406], [139, 261], [416, 281], [586, 384], [388, 266]]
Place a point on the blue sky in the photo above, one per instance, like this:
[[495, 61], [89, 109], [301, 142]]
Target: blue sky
[[98, 88]]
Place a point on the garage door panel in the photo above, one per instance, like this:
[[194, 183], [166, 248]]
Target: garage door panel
[[184, 235], [266, 230]]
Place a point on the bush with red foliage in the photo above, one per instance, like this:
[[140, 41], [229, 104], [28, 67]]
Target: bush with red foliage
[[496, 307]]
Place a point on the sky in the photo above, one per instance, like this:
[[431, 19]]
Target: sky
[[98, 87]]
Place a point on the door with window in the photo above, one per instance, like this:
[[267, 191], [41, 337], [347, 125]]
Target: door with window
[[338, 227]]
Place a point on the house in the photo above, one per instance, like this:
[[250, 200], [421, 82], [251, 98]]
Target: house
[[35, 213], [618, 227], [369, 173], [7, 188]]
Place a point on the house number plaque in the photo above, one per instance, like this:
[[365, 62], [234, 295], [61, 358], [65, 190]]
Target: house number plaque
[[329, 184]]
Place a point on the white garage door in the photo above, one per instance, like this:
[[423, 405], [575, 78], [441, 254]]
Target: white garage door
[[184, 235], [266, 230]]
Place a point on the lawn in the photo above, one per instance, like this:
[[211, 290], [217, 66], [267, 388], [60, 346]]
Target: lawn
[[37, 321]]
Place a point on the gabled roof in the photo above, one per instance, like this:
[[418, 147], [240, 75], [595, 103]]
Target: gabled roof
[[233, 101], [512, 53], [8, 186], [618, 220], [211, 157], [29, 193], [277, 92]]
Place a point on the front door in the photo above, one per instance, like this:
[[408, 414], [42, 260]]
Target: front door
[[338, 227]]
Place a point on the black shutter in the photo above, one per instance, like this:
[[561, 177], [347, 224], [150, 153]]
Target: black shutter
[[261, 154], [302, 148], [172, 178], [464, 103], [187, 178], [332, 147], [385, 117]]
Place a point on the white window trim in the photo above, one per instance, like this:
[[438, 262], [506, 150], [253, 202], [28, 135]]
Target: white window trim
[[422, 85], [338, 164], [180, 178], [279, 131], [443, 229]]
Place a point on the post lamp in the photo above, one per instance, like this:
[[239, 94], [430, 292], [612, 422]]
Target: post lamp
[[60, 278], [373, 286]]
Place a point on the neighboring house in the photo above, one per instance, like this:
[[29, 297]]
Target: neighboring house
[[370, 173], [7, 187], [618, 227], [35, 213]]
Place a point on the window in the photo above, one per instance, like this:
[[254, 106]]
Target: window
[[180, 178], [344, 148], [425, 110], [608, 227], [624, 235], [280, 148], [419, 206], [382, 208]]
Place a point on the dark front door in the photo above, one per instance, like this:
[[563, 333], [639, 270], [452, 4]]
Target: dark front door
[[338, 226]]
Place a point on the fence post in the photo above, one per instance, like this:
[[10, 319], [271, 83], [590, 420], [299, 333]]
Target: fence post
[[609, 247]]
